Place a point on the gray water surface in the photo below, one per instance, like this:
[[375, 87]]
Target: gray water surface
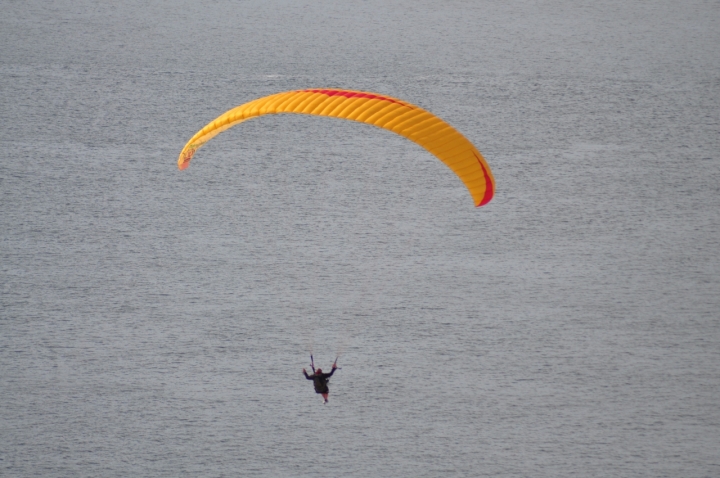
[[155, 322]]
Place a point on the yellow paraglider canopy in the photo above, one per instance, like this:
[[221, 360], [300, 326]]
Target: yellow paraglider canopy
[[403, 118]]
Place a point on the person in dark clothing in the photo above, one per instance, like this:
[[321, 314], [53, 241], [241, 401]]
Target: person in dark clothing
[[320, 380]]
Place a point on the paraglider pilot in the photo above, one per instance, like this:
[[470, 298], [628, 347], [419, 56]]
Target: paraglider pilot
[[320, 380]]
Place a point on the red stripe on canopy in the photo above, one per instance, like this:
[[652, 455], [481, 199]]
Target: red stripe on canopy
[[354, 94], [488, 184]]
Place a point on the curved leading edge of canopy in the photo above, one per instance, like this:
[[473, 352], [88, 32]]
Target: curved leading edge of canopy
[[405, 119]]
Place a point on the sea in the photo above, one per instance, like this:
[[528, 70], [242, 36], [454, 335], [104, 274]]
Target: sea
[[156, 322]]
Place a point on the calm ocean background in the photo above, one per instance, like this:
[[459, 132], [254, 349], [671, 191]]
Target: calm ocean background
[[155, 322]]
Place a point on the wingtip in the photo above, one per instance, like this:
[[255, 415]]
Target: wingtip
[[185, 157]]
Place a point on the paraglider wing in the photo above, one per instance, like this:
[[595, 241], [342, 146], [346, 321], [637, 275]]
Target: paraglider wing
[[403, 118]]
